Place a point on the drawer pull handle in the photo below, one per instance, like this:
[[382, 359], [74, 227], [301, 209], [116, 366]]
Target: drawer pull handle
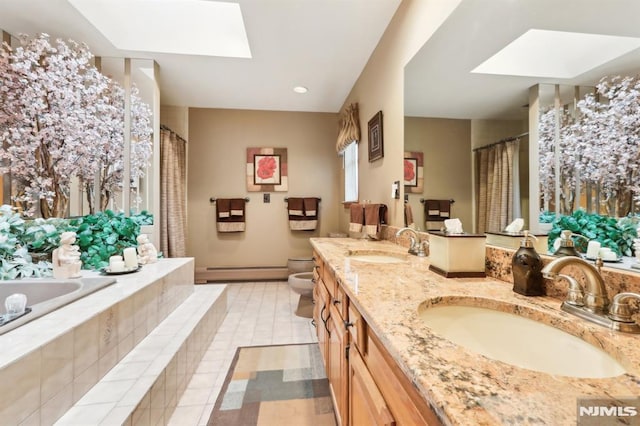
[[347, 324], [336, 301]]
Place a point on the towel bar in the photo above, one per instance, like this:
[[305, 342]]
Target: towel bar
[[451, 200], [213, 199], [287, 199]]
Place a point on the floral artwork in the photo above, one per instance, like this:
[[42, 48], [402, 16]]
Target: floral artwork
[[413, 172], [267, 169]]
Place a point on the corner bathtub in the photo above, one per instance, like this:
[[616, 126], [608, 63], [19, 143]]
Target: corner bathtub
[[46, 295]]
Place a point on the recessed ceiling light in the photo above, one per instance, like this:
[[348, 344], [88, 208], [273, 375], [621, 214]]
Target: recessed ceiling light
[[556, 54], [208, 28], [300, 89]]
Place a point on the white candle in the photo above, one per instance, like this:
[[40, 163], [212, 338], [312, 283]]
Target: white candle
[[592, 249], [130, 257], [116, 266], [114, 259]]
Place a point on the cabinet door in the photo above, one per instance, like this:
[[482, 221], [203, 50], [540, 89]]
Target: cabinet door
[[366, 404], [321, 316], [338, 364]]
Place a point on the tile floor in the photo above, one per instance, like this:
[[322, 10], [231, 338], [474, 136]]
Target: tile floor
[[259, 313]]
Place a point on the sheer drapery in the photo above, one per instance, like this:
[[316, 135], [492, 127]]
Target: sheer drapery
[[497, 167], [349, 127], [173, 201]]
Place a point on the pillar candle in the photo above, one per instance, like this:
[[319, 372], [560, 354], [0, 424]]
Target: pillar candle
[[592, 249], [116, 266], [130, 257]]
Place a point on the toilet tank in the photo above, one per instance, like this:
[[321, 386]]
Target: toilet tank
[[299, 264]]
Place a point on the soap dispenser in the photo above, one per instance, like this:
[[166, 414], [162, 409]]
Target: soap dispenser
[[567, 247], [526, 266]]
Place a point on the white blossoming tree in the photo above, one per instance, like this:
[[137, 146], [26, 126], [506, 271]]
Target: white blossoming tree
[[64, 121], [112, 157]]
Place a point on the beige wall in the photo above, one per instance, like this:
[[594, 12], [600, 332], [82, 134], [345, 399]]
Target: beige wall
[[446, 145], [218, 140], [380, 87], [176, 118]]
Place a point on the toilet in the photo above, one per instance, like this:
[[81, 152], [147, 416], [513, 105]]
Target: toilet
[[300, 275], [301, 281]]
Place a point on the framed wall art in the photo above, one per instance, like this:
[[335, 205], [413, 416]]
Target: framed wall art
[[267, 170], [413, 172], [376, 144]]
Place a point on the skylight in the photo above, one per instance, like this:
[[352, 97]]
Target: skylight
[[189, 27], [556, 54]]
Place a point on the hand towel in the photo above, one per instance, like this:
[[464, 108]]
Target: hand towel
[[374, 216], [432, 209], [356, 220], [295, 206], [408, 216], [453, 226], [223, 208], [237, 206], [225, 220], [310, 206], [445, 208]]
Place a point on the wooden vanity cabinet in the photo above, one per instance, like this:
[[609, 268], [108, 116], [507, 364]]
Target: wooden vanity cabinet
[[367, 385]]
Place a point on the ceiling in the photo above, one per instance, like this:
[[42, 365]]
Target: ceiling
[[439, 81], [320, 44]]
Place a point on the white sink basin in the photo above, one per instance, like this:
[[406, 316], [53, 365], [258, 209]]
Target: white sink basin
[[520, 341], [371, 256]]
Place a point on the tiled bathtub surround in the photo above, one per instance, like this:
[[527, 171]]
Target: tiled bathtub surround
[[464, 387], [145, 386], [54, 360]]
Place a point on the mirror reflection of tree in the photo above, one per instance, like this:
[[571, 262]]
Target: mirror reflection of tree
[[599, 149]]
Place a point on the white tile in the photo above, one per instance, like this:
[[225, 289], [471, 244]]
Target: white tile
[[87, 414], [186, 416]]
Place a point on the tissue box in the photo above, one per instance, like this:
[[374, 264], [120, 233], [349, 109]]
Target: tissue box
[[512, 241], [457, 255]]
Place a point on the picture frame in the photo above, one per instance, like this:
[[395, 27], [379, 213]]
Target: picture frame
[[413, 172], [376, 142], [267, 170]]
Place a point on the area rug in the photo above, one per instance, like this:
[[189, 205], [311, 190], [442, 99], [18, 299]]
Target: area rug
[[273, 386]]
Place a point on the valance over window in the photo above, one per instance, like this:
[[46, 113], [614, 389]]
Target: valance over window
[[349, 127]]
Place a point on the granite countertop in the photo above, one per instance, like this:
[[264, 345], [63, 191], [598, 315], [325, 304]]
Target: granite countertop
[[465, 388]]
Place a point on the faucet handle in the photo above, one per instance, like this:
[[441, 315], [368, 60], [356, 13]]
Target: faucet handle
[[599, 264], [620, 309]]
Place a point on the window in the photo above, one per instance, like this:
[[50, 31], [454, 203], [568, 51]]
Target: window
[[350, 165]]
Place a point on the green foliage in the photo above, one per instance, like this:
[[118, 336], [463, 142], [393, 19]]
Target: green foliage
[[43, 235], [547, 217], [142, 218], [616, 234], [103, 235], [15, 261]]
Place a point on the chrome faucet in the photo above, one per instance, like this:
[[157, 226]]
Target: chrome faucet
[[591, 302], [417, 246]]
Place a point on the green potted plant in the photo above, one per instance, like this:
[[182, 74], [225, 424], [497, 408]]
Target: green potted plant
[[102, 235], [617, 234]]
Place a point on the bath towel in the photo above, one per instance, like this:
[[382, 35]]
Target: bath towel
[[408, 216], [374, 216], [308, 220], [230, 214], [356, 220]]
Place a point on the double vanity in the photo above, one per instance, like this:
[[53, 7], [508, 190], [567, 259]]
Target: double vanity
[[406, 345]]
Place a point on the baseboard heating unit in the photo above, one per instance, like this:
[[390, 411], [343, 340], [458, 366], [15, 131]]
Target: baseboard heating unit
[[242, 273]]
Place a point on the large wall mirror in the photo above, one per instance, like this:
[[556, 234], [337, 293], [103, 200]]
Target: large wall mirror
[[455, 108]]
